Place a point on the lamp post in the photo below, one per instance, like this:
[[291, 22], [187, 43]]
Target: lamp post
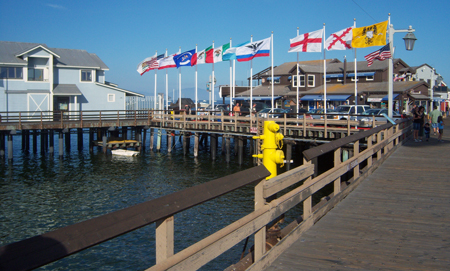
[[409, 44]]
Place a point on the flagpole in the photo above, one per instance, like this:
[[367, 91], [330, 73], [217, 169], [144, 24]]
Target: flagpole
[[251, 78], [212, 80], [324, 73], [356, 71], [196, 83], [231, 80], [234, 80], [156, 78], [179, 80], [297, 102], [271, 53]]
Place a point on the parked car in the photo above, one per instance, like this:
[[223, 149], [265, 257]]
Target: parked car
[[379, 113], [275, 113], [343, 111]]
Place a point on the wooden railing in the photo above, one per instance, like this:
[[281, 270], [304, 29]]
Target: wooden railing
[[368, 150]]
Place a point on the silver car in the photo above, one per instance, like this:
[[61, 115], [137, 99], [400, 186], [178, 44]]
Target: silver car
[[379, 114]]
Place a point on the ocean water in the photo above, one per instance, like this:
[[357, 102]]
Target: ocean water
[[40, 193]]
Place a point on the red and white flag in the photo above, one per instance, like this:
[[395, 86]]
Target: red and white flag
[[309, 42], [341, 40], [167, 62]]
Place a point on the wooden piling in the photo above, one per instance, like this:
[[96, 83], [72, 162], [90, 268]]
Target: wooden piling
[[240, 150], [2, 144], [196, 144], [51, 144], [80, 139], [42, 141], [228, 150], [60, 144], [10, 147], [169, 142], [34, 141], [213, 145], [104, 141], [152, 135], [158, 140], [67, 139], [91, 140]]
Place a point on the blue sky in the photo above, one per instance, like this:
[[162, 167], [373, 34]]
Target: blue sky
[[123, 33]]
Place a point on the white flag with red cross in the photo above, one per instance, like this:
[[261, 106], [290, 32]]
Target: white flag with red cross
[[309, 42], [341, 40]]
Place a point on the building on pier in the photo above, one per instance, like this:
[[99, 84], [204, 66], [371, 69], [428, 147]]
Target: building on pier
[[36, 78]]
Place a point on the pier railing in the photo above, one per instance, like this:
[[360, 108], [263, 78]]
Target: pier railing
[[365, 152], [175, 119]]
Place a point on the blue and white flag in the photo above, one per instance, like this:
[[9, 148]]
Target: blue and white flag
[[253, 49], [230, 53], [184, 59]]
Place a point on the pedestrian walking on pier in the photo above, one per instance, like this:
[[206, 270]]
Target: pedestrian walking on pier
[[441, 128], [427, 131]]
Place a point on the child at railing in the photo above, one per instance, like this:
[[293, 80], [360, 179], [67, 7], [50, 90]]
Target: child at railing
[[426, 130], [441, 128]]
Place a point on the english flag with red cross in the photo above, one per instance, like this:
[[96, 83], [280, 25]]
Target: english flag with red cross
[[341, 40], [309, 42]]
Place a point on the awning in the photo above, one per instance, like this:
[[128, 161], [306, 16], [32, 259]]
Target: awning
[[257, 98], [386, 98], [66, 90], [361, 74], [375, 98], [337, 75], [419, 97], [276, 78], [337, 98]]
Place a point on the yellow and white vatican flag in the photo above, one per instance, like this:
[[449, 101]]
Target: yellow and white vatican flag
[[372, 35]]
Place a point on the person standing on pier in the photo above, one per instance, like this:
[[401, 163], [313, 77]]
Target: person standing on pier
[[237, 109], [434, 118], [417, 122]]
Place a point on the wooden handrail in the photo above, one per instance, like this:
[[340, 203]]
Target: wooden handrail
[[43, 249]]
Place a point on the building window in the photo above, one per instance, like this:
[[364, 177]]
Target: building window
[[302, 81], [353, 79], [370, 78], [111, 98], [311, 80], [35, 74], [86, 76], [11, 73]]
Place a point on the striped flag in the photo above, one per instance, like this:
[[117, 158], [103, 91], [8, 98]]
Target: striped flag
[[154, 63], [381, 54]]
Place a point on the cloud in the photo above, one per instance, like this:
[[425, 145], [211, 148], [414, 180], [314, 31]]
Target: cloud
[[56, 6]]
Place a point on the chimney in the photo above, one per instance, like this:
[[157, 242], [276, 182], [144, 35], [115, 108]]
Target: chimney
[[345, 70]]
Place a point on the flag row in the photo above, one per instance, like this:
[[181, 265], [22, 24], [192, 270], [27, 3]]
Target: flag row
[[344, 39]]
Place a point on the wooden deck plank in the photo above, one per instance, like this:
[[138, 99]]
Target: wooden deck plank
[[397, 219]]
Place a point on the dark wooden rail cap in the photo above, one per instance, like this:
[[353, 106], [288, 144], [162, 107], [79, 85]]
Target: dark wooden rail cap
[[43, 249]]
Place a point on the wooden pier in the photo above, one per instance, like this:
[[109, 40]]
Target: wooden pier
[[398, 218]]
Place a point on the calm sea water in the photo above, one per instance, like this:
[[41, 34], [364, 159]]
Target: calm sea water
[[40, 193]]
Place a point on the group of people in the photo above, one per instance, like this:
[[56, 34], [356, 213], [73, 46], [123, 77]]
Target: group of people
[[421, 124]]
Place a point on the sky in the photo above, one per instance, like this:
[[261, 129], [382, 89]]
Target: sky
[[123, 33]]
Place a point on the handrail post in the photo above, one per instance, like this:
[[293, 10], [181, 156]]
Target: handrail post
[[42, 124], [164, 239], [356, 153], [100, 119], [337, 162], [62, 115], [307, 203], [118, 118], [369, 146]]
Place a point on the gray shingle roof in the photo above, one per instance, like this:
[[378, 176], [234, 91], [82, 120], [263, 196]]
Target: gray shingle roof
[[68, 57]]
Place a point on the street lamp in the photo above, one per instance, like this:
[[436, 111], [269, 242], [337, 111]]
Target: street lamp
[[409, 44]]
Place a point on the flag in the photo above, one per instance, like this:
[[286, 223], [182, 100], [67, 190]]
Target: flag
[[184, 59], [167, 62], [372, 35], [143, 66], [309, 42], [198, 58], [154, 63], [230, 53], [209, 58], [254, 49], [218, 52], [381, 54], [340, 40]]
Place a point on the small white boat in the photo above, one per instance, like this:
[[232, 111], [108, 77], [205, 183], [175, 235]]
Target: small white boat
[[124, 152]]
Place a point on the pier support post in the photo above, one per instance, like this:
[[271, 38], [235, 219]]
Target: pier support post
[[228, 150], [10, 146], [184, 144], [60, 144], [67, 139], [91, 140], [80, 138], [213, 143], [43, 135], [158, 140], [288, 156], [124, 132], [2, 145], [34, 141], [144, 141], [222, 149], [152, 135], [51, 142], [240, 150], [196, 144], [104, 141], [169, 142], [24, 144]]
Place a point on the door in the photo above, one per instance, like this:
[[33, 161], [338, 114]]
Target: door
[[60, 107]]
